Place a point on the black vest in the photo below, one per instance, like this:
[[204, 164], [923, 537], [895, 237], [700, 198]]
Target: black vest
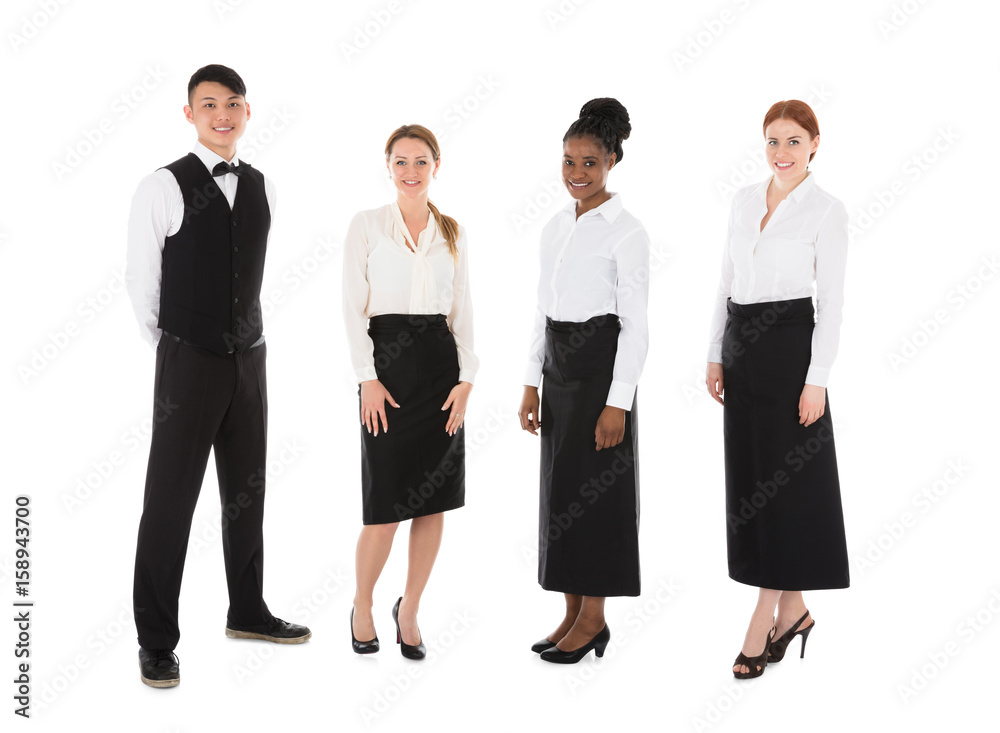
[[213, 266]]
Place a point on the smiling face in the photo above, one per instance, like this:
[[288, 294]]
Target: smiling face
[[585, 169], [412, 167], [788, 147], [219, 115]]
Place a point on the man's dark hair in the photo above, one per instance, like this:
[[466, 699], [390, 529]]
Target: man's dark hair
[[217, 73]]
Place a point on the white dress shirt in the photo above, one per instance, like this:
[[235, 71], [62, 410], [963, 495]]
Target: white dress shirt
[[804, 242], [592, 265], [382, 275], [157, 213]]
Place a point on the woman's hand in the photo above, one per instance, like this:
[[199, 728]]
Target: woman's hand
[[373, 399], [713, 380], [457, 399], [610, 429], [812, 404], [528, 414]]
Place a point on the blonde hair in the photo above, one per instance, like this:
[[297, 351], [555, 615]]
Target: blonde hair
[[447, 225]]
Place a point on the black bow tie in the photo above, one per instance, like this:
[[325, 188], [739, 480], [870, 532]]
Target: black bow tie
[[223, 168]]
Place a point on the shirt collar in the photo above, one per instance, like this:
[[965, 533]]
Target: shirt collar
[[211, 158], [397, 216], [610, 209], [798, 193]]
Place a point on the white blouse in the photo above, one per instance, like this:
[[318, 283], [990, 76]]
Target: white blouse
[[382, 275], [592, 265], [804, 241]]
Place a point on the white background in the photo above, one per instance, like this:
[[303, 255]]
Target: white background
[[500, 83]]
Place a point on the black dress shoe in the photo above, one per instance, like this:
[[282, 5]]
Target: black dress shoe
[[598, 644], [362, 647], [410, 652], [159, 667], [540, 646], [278, 631]]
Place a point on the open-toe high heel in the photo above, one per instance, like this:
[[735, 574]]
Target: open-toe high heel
[[780, 645], [752, 663]]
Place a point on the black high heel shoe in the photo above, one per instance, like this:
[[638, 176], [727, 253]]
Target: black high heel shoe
[[598, 644], [779, 645], [362, 647], [410, 652], [753, 662], [540, 646]]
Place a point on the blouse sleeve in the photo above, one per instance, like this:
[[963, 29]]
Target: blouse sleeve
[[631, 256], [831, 265], [460, 318], [356, 290], [536, 347], [722, 293]]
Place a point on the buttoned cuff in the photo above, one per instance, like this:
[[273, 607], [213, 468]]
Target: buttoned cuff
[[621, 395], [365, 374], [533, 375], [715, 353], [817, 376]]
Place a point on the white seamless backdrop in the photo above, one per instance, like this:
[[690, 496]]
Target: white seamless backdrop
[[93, 98]]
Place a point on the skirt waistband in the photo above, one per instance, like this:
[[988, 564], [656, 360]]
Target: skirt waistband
[[606, 321], [414, 322], [796, 310]]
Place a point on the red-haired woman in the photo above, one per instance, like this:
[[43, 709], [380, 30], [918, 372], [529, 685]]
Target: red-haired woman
[[408, 314], [770, 354]]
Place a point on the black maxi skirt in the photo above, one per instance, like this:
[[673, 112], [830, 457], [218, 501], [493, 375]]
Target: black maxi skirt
[[588, 532], [783, 511], [415, 468]]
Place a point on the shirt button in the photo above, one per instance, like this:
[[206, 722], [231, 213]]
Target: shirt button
[[236, 300], [236, 274], [236, 249], [234, 222]]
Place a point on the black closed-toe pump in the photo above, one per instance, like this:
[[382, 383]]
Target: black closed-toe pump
[[780, 645], [407, 650], [362, 647], [599, 643], [540, 646]]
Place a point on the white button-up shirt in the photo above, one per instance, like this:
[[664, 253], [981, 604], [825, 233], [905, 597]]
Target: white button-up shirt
[[157, 213], [592, 265], [804, 243], [383, 275]]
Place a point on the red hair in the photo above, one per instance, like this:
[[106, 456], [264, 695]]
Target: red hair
[[798, 112]]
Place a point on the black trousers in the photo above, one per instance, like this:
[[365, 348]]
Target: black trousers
[[202, 401]]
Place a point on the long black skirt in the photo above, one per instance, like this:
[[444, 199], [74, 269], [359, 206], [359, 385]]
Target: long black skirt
[[783, 511], [588, 530], [415, 468]]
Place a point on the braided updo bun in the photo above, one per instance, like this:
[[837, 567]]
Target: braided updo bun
[[606, 120]]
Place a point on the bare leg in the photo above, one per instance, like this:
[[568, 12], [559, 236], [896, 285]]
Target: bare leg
[[425, 540], [760, 626], [374, 544], [791, 607], [573, 604], [588, 624]]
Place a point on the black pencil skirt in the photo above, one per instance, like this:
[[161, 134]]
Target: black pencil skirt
[[415, 468], [783, 510], [588, 531]]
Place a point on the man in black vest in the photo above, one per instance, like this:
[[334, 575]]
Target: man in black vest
[[197, 236]]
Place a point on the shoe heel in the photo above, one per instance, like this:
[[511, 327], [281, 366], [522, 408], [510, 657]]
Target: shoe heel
[[399, 638], [805, 635], [599, 650]]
